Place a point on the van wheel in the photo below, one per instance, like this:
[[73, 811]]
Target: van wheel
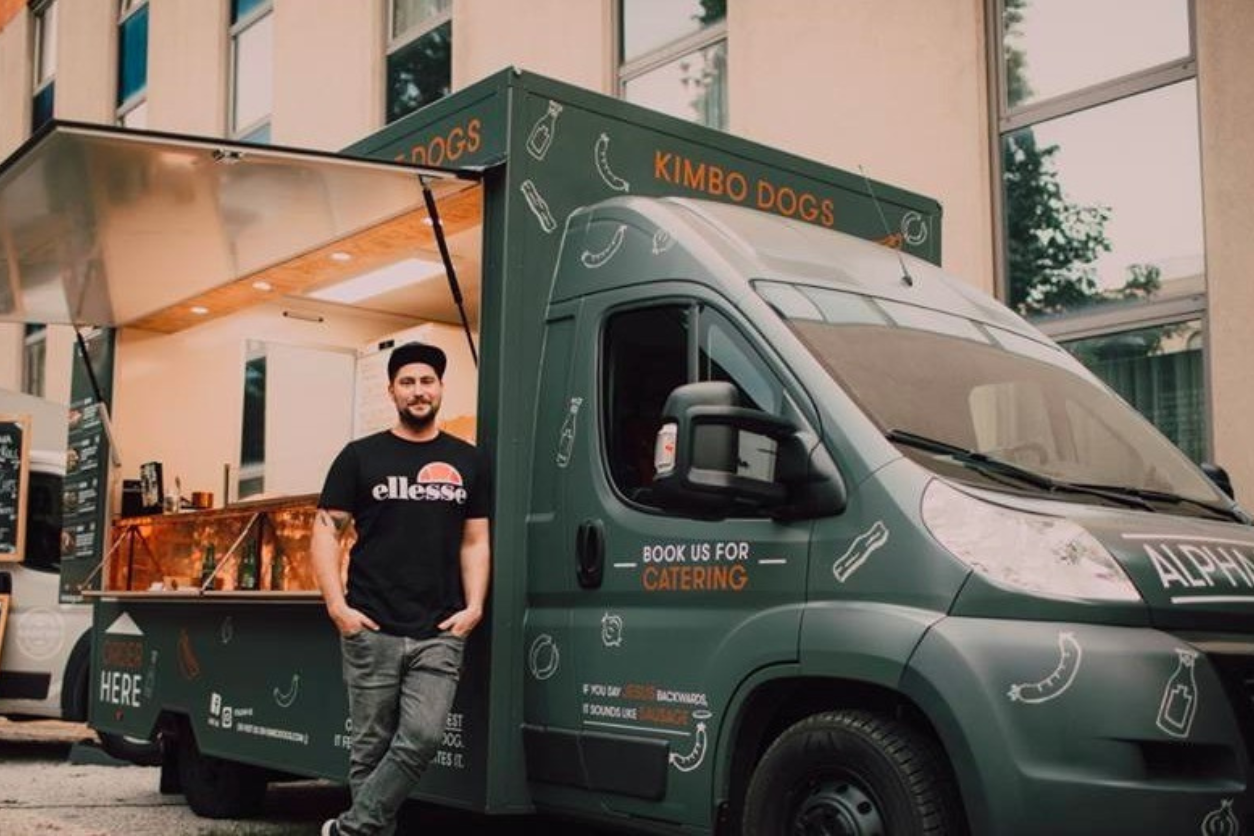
[[216, 788], [851, 773], [134, 750]]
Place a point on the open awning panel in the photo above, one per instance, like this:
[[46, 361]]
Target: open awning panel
[[109, 227]]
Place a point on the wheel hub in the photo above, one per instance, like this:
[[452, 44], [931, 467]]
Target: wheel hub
[[837, 807]]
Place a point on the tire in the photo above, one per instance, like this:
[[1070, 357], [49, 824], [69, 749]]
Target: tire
[[216, 788], [134, 750], [851, 773]]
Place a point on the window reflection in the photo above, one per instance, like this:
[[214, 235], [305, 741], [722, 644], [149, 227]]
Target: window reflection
[[1158, 371], [693, 87], [409, 14], [649, 24], [254, 74], [420, 72], [1086, 223], [1054, 47]]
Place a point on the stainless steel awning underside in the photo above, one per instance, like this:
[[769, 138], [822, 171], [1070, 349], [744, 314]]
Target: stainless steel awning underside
[[104, 226]]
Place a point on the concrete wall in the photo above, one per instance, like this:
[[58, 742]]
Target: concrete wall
[[15, 82], [87, 63], [187, 66], [328, 73], [1225, 91], [567, 41], [897, 87]]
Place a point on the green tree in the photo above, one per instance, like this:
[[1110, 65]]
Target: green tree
[[1052, 242]]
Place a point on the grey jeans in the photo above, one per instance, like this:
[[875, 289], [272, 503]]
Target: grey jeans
[[399, 694]]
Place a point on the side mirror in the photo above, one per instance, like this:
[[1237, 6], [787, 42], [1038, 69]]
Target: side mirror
[[716, 458], [1220, 477]]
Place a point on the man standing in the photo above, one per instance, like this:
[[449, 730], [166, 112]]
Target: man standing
[[417, 581]]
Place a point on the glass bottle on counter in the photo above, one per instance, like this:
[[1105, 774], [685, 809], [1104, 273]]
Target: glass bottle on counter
[[208, 562], [248, 576]]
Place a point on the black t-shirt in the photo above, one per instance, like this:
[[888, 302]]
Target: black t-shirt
[[409, 501]]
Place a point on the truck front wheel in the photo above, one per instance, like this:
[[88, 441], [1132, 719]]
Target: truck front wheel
[[217, 788], [851, 773]]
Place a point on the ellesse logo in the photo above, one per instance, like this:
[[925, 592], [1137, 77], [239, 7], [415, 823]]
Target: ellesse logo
[[436, 482]]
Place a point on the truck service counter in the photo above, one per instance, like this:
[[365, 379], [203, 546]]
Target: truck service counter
[[255, 549]]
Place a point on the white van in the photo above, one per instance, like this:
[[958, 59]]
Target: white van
[[45, 658]]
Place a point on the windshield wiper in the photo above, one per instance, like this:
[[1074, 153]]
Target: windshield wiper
[[1151, 495], [991, 465]]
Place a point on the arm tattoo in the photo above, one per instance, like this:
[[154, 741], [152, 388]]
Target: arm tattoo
[[335, 520]]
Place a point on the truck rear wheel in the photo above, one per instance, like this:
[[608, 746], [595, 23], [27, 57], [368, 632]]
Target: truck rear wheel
[[851, 773], [216, 788]]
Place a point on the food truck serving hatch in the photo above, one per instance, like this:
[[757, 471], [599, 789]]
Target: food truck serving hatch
[[104, 226]]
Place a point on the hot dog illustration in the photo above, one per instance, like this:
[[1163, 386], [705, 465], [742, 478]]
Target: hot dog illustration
[[1060, 678], [600, 154], [593, 260], [693, 758]]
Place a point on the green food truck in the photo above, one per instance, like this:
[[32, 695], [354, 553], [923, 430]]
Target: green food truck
[[792, 533]]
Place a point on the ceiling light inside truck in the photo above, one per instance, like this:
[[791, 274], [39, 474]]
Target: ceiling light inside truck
[[394, 276]]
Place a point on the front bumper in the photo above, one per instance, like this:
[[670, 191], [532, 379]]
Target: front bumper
[[1086, 729]]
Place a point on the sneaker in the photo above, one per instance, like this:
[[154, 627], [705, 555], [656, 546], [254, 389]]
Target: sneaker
[[330, 827]]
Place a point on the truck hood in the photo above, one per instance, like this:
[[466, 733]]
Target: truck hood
[[1194, 574]]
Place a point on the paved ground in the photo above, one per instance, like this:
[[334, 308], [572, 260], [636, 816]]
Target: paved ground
[[43, 792]]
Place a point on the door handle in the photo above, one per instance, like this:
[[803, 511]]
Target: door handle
[[590, 553]]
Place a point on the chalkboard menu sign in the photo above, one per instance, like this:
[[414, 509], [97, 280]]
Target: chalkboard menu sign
[[14, 444], [84, 503]]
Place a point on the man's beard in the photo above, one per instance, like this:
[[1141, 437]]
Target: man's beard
[[416, 423]]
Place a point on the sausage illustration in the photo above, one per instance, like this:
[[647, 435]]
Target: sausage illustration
[[694, 757], [600, 155], [189, 665], [1059, 679], [284, 699], [543, 657], [593, 260]]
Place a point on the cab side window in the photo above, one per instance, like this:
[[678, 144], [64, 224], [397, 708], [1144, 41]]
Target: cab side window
[[645, 357], [648, 352]]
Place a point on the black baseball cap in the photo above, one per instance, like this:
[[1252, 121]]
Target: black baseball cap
[[408, 353]]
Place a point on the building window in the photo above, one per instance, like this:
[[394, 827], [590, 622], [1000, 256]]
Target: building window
[[132, 102], [252, 69], [1157, 369], [673, 57], [35, 360], [1101, 190], [420, 50], [45, 64]]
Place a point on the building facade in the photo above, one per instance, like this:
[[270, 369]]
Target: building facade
[[1094, 159]]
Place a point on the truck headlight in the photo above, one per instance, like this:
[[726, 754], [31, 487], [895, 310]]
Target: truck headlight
[[1034, 553]]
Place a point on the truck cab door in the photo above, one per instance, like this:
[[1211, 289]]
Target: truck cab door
[[668, 613]]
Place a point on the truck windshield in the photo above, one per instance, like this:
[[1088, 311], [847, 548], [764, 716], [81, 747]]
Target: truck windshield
[[981, 389]]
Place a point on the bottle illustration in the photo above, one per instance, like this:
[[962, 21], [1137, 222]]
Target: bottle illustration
[[247, 578], [150, 676], [208, 562], [566, 442], [1179, 704], [541, 136]]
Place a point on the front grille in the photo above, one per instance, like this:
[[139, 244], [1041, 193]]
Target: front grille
[[1236, 671]]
